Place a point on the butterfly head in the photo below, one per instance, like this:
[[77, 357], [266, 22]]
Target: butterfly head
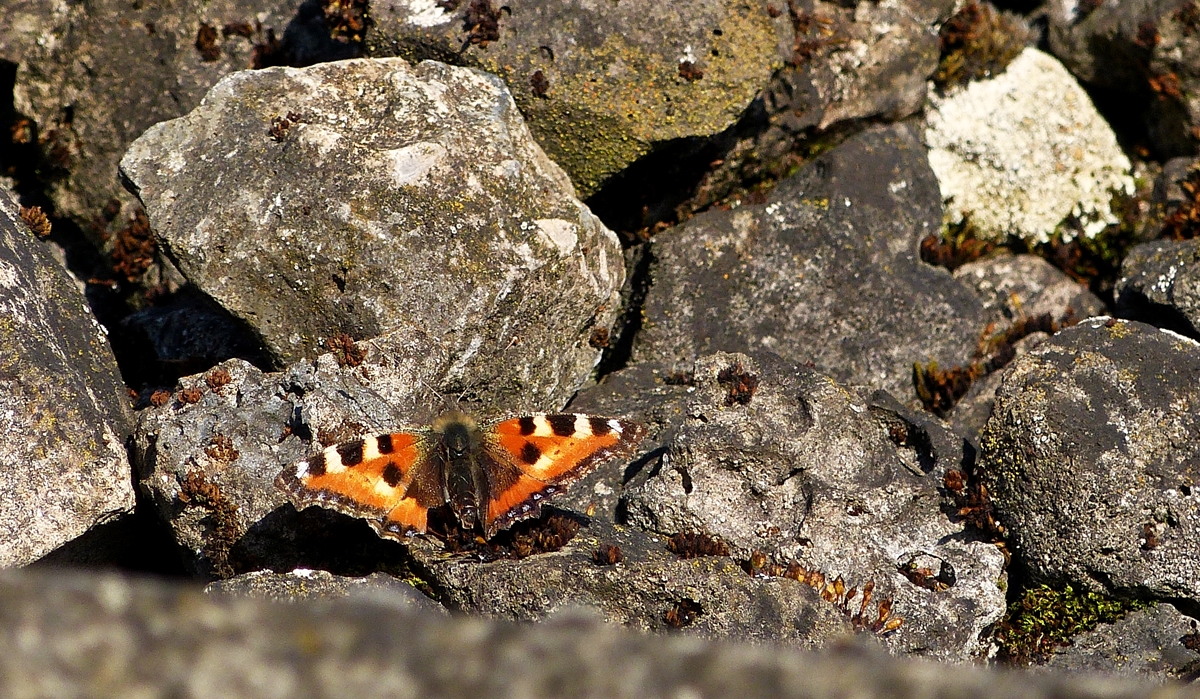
[[458, 432]]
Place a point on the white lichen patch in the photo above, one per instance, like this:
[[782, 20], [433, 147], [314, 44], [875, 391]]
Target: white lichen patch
[[1023, 151], [410, 164], [559, 232], [427, 13]]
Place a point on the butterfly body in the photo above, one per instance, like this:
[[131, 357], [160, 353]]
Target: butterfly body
[[491, 475]]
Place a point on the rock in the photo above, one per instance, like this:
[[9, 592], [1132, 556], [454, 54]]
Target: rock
[[1143, 53], [825, 272], [305, 584], [778, 458], [711, 596], [599, 84], [1020, 153], [94, 76], [845, 64], [105, 636], [1160, 284], [63, 408], [1146, 643], [421, 208], [1091, 458], [1027, 286]]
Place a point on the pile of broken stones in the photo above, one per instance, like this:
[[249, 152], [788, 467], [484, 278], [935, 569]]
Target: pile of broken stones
[[844, 439]]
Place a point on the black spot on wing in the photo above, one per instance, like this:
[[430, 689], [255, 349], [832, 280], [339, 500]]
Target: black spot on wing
[[351, 452], [528, 426], [562, 425], [392, 474], [599, 426], [316, 465], [385, 444], [530, 453]]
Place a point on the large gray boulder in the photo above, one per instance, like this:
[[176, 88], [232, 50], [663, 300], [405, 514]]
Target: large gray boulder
[[309, 206], [64, 412]]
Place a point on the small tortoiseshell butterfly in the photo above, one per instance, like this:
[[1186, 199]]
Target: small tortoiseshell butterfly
[[493, 475]]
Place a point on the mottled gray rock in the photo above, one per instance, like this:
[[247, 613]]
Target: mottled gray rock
[[421, 207], [106, 637], [1160, 284], [1092, 459], [63, 409], [804, 470], [1027, 286], [305, 584], [1146, 643], [619, 78], [95, 75], [849, 63], [724, 601], [1147, 53], [825, 272]]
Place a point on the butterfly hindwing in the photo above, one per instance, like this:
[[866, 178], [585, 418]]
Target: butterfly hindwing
[[536, 456], [386, 479]]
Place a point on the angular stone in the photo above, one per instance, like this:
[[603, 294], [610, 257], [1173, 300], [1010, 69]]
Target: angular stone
[[803, 470], [1019, 153], [420, 207], [1146, 643], [825, 272], [601, 84], [1160, 284], [1092, 459], [63, 408]]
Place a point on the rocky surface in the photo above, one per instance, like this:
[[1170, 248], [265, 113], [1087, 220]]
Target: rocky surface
[[94, 76], [109, 637], [1091, 459], [1144, 53], [63, 409], [600, 85], [1020, 153], [798, 468], [1027, 286], [809, 274], [1160, 283], [445, 223], [305, 584], [1148, 643]]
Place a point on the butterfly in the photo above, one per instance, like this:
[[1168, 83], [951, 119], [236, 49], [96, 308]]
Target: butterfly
[[491, 475]]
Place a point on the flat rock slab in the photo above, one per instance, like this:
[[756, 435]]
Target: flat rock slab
[[825, 272], [1147, 643], [600, 83], [105, 636], [394, 199], [307, 584], [801, 469], [711, 596], [1092, 459], [63, 409], [1160, 283]]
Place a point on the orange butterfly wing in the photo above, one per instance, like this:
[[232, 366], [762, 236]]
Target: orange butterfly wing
[[534, 457], [386, 479]]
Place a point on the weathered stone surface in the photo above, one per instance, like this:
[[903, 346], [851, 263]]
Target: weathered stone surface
[[825, 272], [106, 637], [619, 78], [1146, 643], [845, 63], [1092, 459], [1027, 286], [1020, 153], [804, 471], [1160, 283], [94, 76], [724, 600], [63, 408], [1147, 53], [420, 207], [305, 584]]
